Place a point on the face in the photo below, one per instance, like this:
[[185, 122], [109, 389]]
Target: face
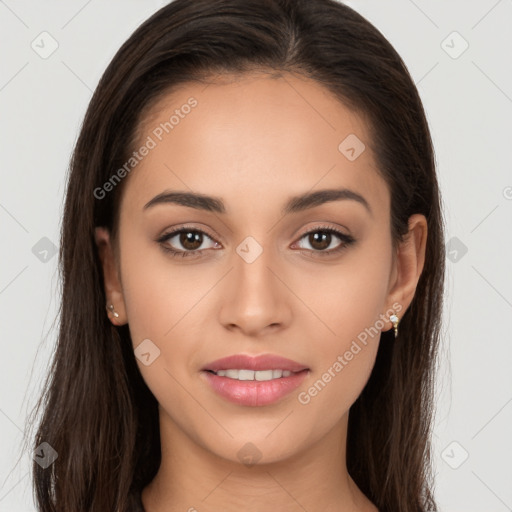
[[254, 270]]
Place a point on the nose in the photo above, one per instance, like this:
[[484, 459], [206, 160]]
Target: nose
[[255, 299]]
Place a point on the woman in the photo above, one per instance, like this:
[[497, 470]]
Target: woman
[[252, 264]]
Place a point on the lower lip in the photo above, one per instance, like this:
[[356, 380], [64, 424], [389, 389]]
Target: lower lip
[[252, 392]]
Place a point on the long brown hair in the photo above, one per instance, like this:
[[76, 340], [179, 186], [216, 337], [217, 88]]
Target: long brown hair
[[97, 412]]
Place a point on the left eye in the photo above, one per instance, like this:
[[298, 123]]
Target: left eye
[[320, 239]]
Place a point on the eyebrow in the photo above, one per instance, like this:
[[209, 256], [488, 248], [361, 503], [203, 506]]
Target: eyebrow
[[293, 205]]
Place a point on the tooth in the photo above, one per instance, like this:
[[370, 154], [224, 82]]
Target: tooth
[[259, 375], [246, 375], [263, 375]]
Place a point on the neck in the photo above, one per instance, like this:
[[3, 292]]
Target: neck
[[192, 478]]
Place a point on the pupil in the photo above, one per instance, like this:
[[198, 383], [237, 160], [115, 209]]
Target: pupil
[[191, 240], [320, 238]]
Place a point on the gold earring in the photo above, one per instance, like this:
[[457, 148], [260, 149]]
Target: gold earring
[[111, 309], [394, 319]]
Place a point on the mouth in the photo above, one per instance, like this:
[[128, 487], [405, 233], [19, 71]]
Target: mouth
[[257, 375], [260, 365], [254, 381]]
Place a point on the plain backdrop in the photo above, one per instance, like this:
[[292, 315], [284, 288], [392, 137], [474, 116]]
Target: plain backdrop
[[458, 53]]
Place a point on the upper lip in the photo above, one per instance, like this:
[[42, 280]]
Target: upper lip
[[261, 362]]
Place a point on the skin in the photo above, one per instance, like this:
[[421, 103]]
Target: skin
[[255, 141]]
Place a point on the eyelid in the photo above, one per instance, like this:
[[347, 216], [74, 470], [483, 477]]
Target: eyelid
[[323, 227], [177, 229]]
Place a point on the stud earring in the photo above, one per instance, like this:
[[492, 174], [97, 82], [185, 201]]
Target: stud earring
[[110, 307], [394, 319]]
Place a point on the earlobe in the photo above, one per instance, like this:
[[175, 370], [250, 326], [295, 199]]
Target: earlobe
[[410, 260], [115, 307]]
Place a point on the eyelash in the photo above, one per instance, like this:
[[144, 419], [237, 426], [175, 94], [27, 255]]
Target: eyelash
[[346, 239]]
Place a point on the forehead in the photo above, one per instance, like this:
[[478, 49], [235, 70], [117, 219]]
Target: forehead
[[253, 136]]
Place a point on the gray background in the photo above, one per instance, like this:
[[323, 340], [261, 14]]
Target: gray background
[[468, 98]]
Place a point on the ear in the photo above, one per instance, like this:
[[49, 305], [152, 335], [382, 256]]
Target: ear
[[408, 265], [111, 281]]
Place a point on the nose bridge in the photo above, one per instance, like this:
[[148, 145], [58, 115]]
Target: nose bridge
[[252, 272], [256, 298]]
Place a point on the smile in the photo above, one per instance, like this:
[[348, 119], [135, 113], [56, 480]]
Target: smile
[[254, 388], [259, 375]]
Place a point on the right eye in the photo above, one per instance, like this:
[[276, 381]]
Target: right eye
[[190, 239]]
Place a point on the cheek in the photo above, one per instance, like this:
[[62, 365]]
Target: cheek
[[349, 297], [349, 300], [159, 303], [158, 293], [331, 391], [343, 361], [165, 303]]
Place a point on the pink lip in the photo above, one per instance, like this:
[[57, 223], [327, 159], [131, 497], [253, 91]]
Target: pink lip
[[255, 393], [261, 362]]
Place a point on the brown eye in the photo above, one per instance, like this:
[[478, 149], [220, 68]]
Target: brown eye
[[322, 241], [190, 240], [185, 242]]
